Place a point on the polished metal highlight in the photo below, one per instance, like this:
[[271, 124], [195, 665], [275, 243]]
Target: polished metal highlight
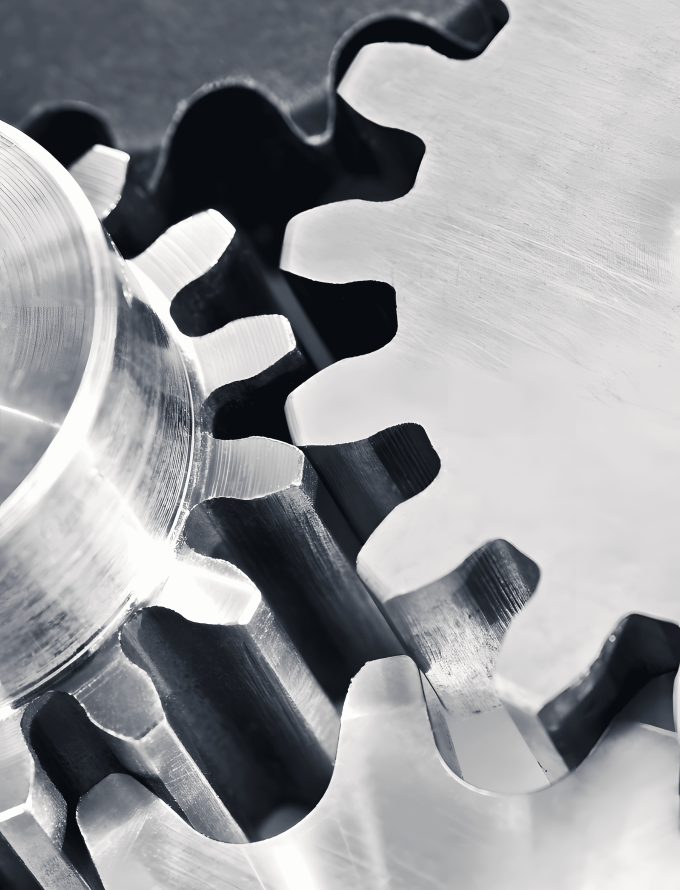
[[91, 524], [395, 816], [536, 269], [101, 174], [32, 812]]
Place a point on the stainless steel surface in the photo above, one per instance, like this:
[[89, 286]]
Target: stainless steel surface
[[32, 812], [121, 700], [266, 511], [453, 630], [262, 506], [535, 266], [93, 496], [100, 173], [395, 816], [236, 690], [114, 488], [135, 61]]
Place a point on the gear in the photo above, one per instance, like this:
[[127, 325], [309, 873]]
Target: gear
[[141, 632], [92, 356], [394, 816], [535, 266]]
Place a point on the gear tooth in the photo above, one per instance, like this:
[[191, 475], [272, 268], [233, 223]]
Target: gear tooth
[[209, 591], [487, 840], [243, 349], [121, 700], [186, 251], [460, 620], [249, 367], [209, 641], [101, 174], [252, 468], [384, 715], [370, 477], [339, 243], [32, 812], [298, 544]]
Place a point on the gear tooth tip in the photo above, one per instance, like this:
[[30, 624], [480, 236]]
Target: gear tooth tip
[[101, 174]]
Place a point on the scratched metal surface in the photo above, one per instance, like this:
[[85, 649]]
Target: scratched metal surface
[[395, 816], [536, 269]]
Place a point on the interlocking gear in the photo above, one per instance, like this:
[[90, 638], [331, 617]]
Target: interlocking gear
[[536, 273], [98, 584], [394, 816]]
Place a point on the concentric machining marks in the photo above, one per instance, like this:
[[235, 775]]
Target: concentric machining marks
[[535, 267], [92, 527], [394, 816]]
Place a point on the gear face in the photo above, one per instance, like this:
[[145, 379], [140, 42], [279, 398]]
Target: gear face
[[99, 594], [394, 816], [180, 647], [535, 267]]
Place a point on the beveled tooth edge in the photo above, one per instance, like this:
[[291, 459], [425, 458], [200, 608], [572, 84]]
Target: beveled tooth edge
[[186, 251], [101, 174], [148, 745], [252, 468], [243, 349]]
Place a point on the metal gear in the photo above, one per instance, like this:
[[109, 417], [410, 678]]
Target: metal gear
[[535, 267], [395, 816], [107, 411], [121, 479]]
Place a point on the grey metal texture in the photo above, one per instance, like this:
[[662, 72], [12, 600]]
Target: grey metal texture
[[526, 401], [103, 506], [395, 816], [92, 494], [535, 267], [134, 61], [266, 511], [33, 811]]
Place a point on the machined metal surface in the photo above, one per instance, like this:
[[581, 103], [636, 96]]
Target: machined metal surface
[[92, 495], [129, 458], [32, 812], [535, 269], [180, 614], [395, 816]]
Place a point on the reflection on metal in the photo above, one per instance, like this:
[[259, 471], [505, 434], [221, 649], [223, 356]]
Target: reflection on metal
[[266, 511], [101, 175], [122, 701], [535, 264], [32, 812], [395, 816], [91, 530]]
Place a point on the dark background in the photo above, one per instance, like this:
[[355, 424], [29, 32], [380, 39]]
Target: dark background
[[135, 59]]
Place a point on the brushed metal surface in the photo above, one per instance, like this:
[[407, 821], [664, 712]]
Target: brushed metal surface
[[395, 816], [81, 349], [101, 174], [135, 60], [536, 267], [114, 488], [32, 812]]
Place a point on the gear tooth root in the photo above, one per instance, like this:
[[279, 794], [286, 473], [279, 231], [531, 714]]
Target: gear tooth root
[[372, 476], [637, 651]]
